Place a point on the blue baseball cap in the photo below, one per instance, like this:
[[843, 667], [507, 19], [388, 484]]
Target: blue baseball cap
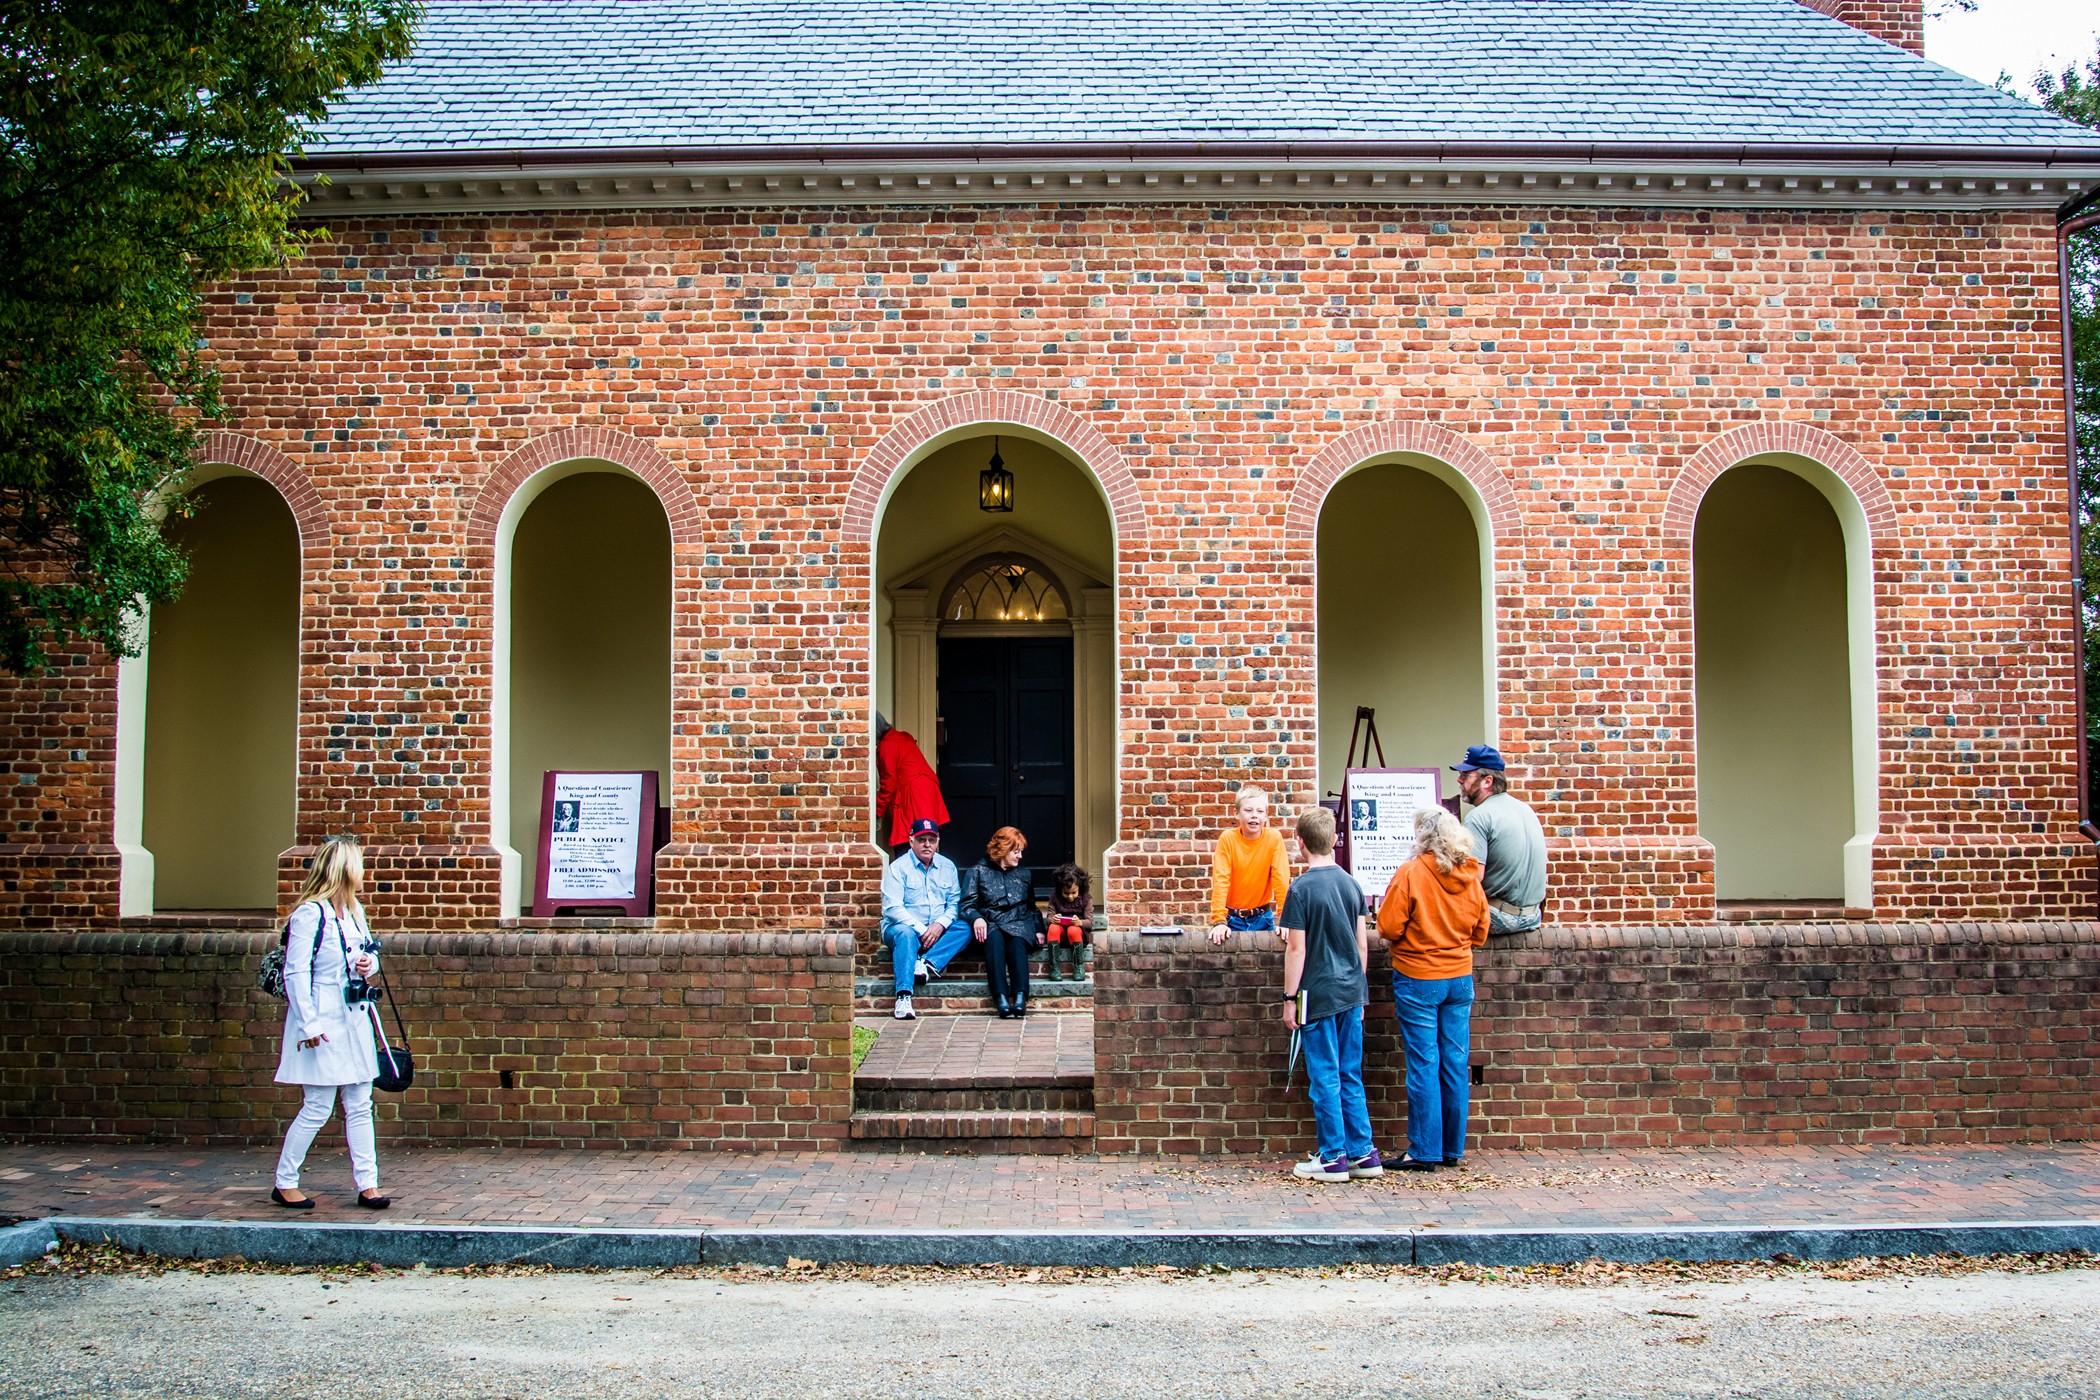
[[1481, 758], [924, 825]]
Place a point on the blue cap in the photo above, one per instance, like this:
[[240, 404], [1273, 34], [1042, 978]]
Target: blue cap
[[924, 825], [1481, 758]]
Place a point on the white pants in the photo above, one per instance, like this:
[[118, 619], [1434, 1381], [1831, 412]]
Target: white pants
[[313, 1116]]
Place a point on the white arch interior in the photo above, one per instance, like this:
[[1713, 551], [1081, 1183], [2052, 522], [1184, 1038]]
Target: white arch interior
[[1785, 698], [1406, 620], [208, 713], [581, 651], [928, 524]]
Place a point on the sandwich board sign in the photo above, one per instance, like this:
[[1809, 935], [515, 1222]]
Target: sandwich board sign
[[597, 842], [1378, 820]]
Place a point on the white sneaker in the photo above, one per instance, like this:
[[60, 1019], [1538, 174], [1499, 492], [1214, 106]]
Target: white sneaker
[[903, 1011]]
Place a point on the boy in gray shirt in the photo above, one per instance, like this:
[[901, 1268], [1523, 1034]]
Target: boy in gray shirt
[[1327, 949]]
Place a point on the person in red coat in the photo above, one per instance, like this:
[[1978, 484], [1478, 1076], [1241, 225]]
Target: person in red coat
[[906, 788]]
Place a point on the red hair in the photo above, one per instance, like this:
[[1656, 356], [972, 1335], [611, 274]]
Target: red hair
[[1005, 839]]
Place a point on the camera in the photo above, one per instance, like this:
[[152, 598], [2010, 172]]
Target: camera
[[358, 992]]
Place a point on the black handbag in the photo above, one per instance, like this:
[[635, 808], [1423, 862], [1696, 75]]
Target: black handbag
[[397, 1068]]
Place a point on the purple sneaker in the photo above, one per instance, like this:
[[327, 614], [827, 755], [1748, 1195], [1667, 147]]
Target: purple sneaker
[[1367, 1166], [1318, 1168]]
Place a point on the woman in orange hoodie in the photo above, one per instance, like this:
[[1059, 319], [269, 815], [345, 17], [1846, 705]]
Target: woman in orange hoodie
[[1432, 918]]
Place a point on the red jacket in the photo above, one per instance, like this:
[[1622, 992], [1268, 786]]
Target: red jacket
[[905, 786]]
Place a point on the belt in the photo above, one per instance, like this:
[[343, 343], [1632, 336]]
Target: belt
[[1520, 911], [1251, 913]]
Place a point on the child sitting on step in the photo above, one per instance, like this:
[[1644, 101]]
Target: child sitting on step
[[1071, 920]]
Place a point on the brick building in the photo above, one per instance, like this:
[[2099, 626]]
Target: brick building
[[1668, 393]]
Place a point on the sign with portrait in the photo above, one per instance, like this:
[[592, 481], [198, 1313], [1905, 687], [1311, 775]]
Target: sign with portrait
[[1378, 821], [597, 842]]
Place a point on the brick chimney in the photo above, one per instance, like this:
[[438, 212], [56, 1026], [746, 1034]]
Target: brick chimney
[[1898, 22]]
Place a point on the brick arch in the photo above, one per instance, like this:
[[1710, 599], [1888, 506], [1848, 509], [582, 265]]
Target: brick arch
[[600, 444], [309, 511], [1301, 524], [990, 407], [1739, 445]]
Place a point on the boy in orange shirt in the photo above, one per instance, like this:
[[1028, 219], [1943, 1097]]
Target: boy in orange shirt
[[1250, 874]]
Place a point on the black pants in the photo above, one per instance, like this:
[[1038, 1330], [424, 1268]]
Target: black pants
[[1006, 967]]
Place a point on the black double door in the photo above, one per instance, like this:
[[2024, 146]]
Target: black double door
[[1006, 751]]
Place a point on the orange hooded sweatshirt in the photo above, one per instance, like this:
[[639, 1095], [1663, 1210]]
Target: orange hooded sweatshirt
[[1432, 921]]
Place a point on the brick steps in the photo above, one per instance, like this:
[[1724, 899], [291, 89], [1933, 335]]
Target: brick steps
[[952, 996], [977, 1131]]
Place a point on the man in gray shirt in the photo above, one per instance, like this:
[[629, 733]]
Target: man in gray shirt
[[1509, 840]]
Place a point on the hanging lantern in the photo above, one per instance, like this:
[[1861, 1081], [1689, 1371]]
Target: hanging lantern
[[995, 484]]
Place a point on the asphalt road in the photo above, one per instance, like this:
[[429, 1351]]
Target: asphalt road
[[618, 1335]]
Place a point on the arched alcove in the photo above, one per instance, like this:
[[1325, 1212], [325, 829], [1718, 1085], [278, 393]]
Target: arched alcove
[[583, 655], [1039, 682], [218, 754], [1405, 570], [1783, 623]]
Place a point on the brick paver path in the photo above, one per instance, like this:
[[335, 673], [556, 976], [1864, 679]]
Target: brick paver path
[[982, 1051], [1798, 1186]]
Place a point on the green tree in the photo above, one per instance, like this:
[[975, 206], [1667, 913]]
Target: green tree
[[2076, 94], [143, 151]]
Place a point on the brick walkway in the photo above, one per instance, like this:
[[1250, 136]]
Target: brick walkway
[[1819, 1186], [944, 1051]]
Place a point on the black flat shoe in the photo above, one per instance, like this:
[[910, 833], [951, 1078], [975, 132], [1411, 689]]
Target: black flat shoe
[[1004, 1010], [1415, 1164], [289, 1204], [374, 1202]]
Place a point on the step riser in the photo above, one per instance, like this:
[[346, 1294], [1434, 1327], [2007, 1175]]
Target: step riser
[[1033, 1099], [968, 1005], [979, 1147]]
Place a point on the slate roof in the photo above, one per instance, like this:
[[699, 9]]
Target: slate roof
[[604, 74]]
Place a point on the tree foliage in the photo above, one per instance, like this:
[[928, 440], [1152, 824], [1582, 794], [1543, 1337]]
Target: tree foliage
[[143, 149]]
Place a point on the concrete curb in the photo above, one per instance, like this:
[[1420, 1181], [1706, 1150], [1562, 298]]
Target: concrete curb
[[456, 1246], [25, 1241]]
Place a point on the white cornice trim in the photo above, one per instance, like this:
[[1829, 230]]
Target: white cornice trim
[[672, 184]]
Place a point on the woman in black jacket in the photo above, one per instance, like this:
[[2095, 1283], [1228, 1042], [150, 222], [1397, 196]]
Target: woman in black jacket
[[1000, 907]]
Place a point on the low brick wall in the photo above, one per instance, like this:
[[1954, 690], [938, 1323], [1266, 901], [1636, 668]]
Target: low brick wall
[[614, 1039], [1622, 1037]]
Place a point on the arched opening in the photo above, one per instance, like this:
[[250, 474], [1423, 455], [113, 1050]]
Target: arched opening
[[583, 642], [219, 758], [1783, 624], [1405, 563], [995, 642]]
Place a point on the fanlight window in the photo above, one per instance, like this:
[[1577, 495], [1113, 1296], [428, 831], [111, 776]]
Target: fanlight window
[[1005, 590]]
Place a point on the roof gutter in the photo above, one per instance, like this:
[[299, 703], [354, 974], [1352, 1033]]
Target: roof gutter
[[528, 157], [2073, 224]]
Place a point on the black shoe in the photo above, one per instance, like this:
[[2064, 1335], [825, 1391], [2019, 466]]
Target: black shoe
[[1020, 1009], [279, 1197], [1004, 1010], [374, 1202], [1415, 1164]]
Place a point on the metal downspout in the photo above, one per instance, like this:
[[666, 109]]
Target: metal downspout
[[2064, 233]]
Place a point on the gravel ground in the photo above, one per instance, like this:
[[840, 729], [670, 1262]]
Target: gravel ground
[[114, 1328]]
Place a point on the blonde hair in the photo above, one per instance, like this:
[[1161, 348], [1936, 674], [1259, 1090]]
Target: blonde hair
[[1248, 793], [338, 865], [1438, 834]]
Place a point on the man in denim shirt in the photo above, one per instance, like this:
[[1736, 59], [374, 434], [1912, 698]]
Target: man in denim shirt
[[920, 892]]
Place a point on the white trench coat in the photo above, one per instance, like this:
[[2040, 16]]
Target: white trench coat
[[313, 982]]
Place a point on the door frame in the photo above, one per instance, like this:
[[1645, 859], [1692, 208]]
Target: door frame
[[915, 632]]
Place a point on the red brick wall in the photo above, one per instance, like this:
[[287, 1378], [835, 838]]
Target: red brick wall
[[1647, 1037], [1214, 366], [613, 1039]]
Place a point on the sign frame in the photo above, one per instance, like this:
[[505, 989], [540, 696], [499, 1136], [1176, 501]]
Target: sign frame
[[1345, 818], [647, 815]]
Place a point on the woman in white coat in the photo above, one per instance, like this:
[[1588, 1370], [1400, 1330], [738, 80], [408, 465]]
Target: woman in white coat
[[328, 1044]]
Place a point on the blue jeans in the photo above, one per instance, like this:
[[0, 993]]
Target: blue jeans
[[904, 952], [1334, 1071], [1436, 1025], [1262, 922]]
